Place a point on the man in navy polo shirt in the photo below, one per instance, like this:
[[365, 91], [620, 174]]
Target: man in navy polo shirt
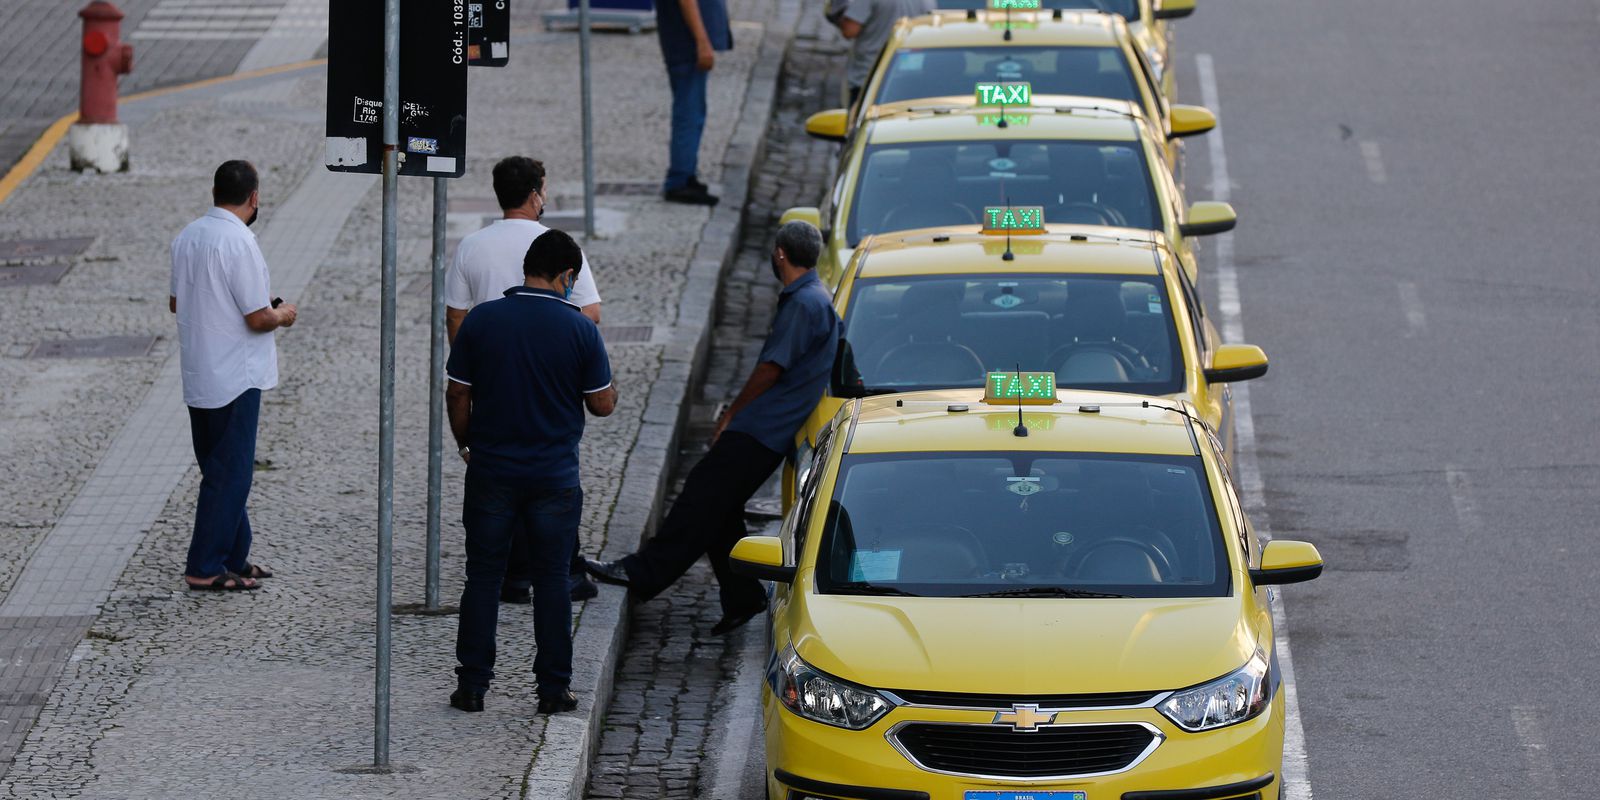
[[750, 441], [522, 371]]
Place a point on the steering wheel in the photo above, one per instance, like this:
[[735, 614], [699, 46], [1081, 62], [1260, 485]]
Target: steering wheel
[[1163, 564], [1124, 353], [956, 210]]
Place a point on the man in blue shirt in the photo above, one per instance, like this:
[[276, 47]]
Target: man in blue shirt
[[691, 33], [750, 442], [522, 371]]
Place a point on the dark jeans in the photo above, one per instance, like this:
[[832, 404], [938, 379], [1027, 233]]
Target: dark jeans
[[519, 569], [708, 518], [225, 445], [688, 122], [492, 511]]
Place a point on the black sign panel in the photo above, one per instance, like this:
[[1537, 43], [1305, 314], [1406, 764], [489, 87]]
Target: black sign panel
[[488, 33], [433, 87]]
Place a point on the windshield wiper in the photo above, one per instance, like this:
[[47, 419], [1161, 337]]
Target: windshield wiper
[[871, 588], [1044, 591]]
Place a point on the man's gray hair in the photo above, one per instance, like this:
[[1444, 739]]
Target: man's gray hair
[[801, 242]]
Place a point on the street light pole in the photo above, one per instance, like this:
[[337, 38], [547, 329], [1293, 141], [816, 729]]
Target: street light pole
[[588, 119], [436, 396], [386, 347]]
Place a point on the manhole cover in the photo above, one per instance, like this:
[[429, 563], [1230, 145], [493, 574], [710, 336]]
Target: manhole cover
[[626, 334], [102, 347], [32, 275], [17, 251], [628, 188]]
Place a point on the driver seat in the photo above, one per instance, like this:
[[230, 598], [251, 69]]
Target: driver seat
[[929, 311], [1093, 351], [1076, 172], [926, 185]]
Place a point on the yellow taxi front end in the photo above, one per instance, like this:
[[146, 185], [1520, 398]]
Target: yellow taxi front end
[[943, 628]]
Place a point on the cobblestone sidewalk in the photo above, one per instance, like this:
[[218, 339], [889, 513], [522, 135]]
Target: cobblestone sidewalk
[[171, 694]]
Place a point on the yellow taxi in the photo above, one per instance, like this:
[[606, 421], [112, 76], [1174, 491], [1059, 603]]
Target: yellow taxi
[[1147, 21], [977, 599], [1101, 308], [1093, 164], [938, 59]]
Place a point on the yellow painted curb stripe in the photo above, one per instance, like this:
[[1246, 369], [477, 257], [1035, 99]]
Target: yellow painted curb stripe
[[52, 135]]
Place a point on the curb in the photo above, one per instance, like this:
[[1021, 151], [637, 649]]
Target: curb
[[570, 741]]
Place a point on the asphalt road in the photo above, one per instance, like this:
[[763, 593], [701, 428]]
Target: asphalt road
[[1419, 190]]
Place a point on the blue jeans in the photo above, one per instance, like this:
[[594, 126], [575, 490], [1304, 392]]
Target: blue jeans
[[688, 122], [494, 512], [225, 445]]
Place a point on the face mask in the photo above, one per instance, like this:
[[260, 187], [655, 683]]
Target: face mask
[[253, 215], [572, 280], [776, 272]]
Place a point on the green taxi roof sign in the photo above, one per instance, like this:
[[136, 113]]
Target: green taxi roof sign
[[1005, 93], [1013, 220], [1020, 388], [1016, 5]]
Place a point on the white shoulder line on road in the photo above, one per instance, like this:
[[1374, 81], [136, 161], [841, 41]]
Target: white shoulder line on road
[[1296, 778], [738, 740], [1374, 158], [1541, 768], [1411, 304]]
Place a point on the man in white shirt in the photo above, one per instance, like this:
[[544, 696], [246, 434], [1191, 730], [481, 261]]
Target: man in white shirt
[[226, 315], [487, 263]]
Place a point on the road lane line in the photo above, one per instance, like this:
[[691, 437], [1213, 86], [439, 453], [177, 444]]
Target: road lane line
[[740, 743], [1541, 768], [1296, 780], [1374, 158], [1411, 304], [1461, 496]]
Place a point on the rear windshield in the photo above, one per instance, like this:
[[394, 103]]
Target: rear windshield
[[940, 184], [1108, 332], [964, 524], [1129, 9], [946, 71]]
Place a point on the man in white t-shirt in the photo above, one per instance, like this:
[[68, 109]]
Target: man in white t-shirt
[[226, 317], [489, 262]]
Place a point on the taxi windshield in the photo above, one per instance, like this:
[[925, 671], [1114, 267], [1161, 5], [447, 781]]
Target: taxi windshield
[[1129, 9], [947, 71], [903, 186], [1106, 332], [1022, 524]]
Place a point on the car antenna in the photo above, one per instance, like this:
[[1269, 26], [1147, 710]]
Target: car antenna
[[1008, 256], [1007, 38], [1021, 429]]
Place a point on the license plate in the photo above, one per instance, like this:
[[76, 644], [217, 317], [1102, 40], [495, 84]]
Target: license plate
[[1010, 795]]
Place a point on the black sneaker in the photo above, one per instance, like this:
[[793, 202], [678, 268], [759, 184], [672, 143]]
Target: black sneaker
[[692, 195], [732, 622], [580, 588], [555, 704], [467, 699]]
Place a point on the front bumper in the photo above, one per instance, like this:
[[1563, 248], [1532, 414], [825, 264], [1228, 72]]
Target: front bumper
[[808, 759]]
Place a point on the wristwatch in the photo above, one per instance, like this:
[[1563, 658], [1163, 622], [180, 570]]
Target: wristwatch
[[464, 451]]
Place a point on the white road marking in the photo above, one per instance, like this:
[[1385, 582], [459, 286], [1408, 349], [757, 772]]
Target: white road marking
[[1461, 496], [1541, 768], [1296, 778], [739, 742], [1374, 158], [1411, 304]]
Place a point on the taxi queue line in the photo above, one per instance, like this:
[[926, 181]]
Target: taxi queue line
[[988, 586]]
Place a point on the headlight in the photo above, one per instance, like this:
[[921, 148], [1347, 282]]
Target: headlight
[[1225, 701], [822, 698]]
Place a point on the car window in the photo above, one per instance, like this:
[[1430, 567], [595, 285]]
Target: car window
[[1111, 332], [1129, 9], [939, 72], [938, 184], [808, 486], [949, 524]]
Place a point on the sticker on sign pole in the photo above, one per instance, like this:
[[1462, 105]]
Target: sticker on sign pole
[[489, 33]]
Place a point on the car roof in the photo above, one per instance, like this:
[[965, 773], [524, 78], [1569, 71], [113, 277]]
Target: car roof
[[919, 422], [963, 250], [1029, 29], [1094, 120]]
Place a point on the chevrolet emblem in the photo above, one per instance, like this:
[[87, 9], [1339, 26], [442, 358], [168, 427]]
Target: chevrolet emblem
[[1024, 717]]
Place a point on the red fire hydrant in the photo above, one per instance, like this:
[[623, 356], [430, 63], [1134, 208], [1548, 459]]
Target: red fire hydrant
[[97, 141]]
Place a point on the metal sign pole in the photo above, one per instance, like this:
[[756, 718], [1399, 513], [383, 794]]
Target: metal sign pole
[[588, 119], [436, 396], [391, 181]]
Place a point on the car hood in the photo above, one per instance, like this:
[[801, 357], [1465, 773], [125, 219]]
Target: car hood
[[1025, 646]]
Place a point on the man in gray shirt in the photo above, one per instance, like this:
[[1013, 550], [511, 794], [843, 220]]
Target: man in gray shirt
[[868, 23]]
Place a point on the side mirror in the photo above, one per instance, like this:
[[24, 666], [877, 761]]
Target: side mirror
[[1283, 561], [1236, 362], [1208, 218], [761, 557], [1174, 9], [809, 214], [830, 125], [1190, 120], [846, 380]]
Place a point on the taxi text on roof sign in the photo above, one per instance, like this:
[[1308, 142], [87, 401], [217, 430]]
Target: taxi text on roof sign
[[1016, 5], [1014, 220], [1023, 388], [1005, 93]]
